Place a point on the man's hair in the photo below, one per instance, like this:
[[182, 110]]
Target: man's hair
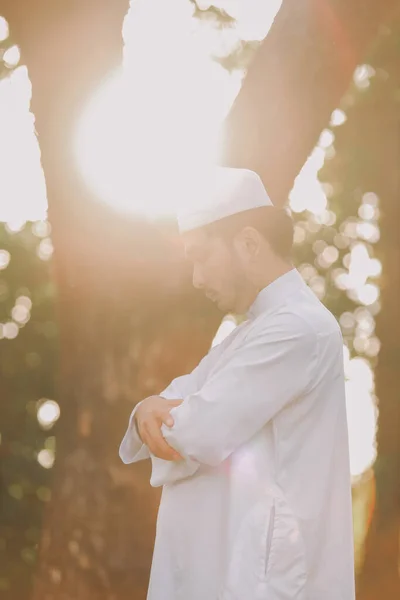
[[274, 224]]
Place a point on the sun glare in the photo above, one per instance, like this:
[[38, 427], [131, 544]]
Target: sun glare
[[139, 158], [152, 129], [4, 30], [22, 184], [143, 144]]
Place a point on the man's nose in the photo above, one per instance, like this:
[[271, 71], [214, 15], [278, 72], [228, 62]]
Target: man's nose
[[198, 280]]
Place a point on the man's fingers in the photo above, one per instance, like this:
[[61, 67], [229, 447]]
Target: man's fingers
[[165, 452], [157, 444], [150, 423], [170, 455], [173, 403], [167, 417]]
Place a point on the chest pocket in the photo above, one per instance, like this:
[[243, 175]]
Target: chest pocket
[[268, 559]]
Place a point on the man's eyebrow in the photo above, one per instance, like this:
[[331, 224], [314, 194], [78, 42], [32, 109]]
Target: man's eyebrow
[[192, 251]]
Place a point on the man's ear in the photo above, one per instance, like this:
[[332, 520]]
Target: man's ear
[[250, 241]]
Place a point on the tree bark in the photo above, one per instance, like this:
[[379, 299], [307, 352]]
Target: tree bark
[[296, 80], [128, 317], [129, 321], [298, 77]]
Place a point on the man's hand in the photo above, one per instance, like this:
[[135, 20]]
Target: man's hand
[[150, 415]]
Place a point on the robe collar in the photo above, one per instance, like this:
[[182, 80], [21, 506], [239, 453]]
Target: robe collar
[[275, 292]]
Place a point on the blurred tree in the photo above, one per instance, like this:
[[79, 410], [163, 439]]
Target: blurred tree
[[337, 253], [129, 318], [125, 306], [299, 86], [374, 135], [298, 76], [28, 351]]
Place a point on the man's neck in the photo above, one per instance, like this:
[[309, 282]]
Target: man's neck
[[274, 273], [266, 279]]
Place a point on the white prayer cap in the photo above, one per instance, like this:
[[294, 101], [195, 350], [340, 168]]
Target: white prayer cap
[[223, 192]]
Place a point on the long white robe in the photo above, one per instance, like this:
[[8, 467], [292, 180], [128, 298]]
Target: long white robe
[[260, 507]]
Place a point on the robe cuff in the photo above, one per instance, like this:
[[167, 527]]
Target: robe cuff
[[132, 448], [165, 472]]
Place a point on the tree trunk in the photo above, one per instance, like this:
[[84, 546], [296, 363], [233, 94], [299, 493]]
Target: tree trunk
[[297, 79], [129, 321]]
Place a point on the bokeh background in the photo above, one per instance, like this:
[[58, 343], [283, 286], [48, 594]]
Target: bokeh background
[[108, 114]]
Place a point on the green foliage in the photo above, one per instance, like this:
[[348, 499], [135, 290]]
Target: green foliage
[[357, 176], [352, 181], [27, 372]]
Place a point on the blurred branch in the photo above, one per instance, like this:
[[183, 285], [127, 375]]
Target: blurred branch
[[240, 58], [216, 15], [124, 301], [296, 80]]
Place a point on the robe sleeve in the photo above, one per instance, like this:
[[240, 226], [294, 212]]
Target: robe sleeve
[[274, 367], [132, 449]]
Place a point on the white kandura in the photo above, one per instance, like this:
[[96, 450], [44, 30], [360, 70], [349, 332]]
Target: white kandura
[[260, 507]]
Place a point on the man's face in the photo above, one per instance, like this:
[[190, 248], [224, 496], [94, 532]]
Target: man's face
[[216, 268]]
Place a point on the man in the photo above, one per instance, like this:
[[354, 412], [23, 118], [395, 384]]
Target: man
[[251, 448]]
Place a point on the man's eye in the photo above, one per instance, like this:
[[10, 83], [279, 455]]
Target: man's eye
[[199, 257]]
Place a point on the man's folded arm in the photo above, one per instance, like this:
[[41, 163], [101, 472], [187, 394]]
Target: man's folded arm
[[132, 448], [267, 373]]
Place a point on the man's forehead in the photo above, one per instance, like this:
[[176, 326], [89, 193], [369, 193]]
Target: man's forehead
[[194, 239]]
